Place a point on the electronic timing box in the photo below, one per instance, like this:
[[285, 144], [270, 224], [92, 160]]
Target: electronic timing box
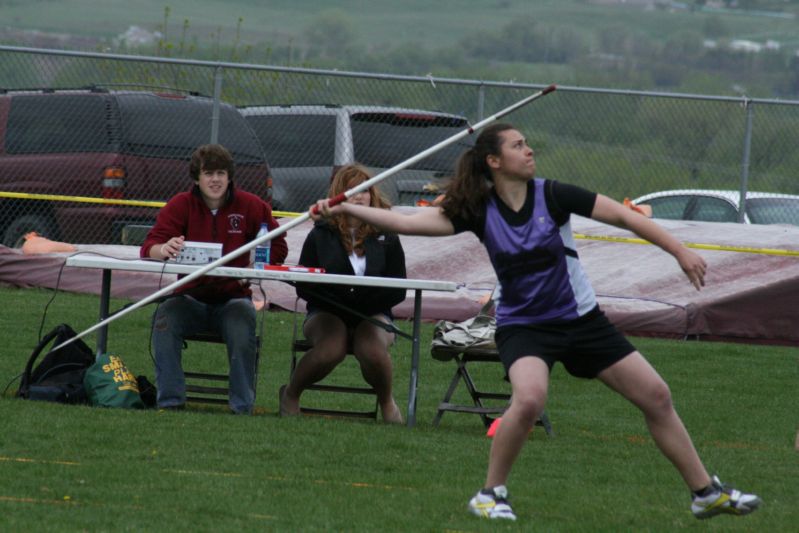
[[199, 253]]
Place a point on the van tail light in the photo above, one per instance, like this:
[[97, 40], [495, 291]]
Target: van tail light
[[269, 188], [113, 183]]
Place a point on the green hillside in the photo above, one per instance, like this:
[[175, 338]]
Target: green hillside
[[376, 23], [583, 42]]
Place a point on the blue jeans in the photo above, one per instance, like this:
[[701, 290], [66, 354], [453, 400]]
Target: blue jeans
[[181, 316]]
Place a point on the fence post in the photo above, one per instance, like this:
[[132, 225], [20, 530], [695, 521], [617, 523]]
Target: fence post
[[745, 161], [481, 101], [215, 109]]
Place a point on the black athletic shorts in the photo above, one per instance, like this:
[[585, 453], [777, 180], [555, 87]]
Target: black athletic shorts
[[586, 346]]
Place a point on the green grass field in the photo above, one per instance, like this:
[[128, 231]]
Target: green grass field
[[69, 468]]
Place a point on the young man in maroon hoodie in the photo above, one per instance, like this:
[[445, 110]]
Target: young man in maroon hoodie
[[212, 211]]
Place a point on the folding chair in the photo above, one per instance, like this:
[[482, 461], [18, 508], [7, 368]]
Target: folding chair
[[463, 356], [212, 387], [299, 346]]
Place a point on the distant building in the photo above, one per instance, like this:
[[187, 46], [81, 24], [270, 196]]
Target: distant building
[[137, 36], [744, 45], [647, 4], [771, 44]]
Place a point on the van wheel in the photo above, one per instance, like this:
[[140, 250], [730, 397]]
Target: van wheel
[[15, 232]]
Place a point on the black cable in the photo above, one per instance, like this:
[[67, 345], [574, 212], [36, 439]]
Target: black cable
[[18, 376], [52, 299], [263, 316], [41, 324], [152, 320], [44, 315]]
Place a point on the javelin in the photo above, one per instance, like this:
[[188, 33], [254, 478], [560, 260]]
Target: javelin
[[302, 218]]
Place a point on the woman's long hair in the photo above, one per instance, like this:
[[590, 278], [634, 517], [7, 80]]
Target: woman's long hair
[[346, 178], [469, 189]]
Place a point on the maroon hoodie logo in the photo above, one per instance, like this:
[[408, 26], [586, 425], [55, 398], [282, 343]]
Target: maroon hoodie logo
[[236, 223]]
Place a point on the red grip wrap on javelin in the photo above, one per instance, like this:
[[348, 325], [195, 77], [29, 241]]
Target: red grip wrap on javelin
[[337, 199], [549, 89]]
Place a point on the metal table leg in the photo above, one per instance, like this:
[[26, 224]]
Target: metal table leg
[[105, 302], [412, 387]]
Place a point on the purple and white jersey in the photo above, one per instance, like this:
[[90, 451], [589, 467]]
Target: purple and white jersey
[[536, 263]]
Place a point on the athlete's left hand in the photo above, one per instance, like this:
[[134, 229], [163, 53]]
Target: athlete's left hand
[[694, 267]]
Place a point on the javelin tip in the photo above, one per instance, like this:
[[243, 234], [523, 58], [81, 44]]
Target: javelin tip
[[549, 89]]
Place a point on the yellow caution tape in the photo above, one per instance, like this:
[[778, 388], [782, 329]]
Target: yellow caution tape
[[700, 246], [82, 199], [282, 214], [626, 240], [107, 201]]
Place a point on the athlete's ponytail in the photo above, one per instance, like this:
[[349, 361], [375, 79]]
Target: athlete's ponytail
[[469, 188]]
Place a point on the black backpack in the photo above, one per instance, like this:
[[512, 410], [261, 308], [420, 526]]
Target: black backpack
[[59, 376]]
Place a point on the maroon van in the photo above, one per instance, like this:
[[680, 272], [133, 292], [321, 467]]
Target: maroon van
[[84, 166]]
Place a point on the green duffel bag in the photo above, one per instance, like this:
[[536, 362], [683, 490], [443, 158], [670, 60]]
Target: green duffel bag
[[109, 383]]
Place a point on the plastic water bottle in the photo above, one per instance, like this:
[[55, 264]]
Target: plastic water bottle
[[262, 251]]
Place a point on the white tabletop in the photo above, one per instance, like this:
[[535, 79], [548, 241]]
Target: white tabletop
[[169, 267]]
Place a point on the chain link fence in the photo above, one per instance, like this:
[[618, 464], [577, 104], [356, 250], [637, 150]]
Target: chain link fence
[[92, 144]]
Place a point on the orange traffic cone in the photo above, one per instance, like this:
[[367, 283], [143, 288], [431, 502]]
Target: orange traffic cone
[[644, 209], [492, 429]]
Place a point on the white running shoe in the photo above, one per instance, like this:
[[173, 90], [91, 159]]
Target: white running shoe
[[492, 503], [724, 500]]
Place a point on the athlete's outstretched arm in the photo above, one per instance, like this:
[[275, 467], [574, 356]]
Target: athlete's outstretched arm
[[428, 221], [612, 212]]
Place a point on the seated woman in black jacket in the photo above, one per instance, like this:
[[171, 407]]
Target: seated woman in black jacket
[[344, 245]]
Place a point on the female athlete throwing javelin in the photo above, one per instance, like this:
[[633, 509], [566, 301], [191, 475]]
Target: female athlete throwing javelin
[[547, 311]]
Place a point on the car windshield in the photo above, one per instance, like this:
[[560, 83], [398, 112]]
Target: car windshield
[[382, 140], [773, 210]]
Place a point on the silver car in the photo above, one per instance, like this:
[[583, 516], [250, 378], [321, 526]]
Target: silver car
[[722, 206]]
